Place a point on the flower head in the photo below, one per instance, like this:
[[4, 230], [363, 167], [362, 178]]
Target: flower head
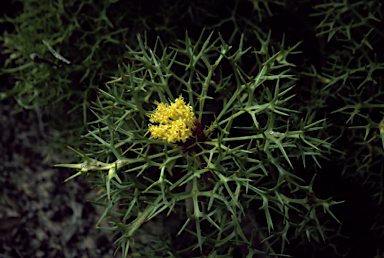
[[176, 121]]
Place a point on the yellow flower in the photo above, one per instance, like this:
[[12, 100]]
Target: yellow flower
[[176, 121]]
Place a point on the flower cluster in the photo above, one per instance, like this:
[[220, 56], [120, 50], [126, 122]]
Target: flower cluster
[[176, 121]]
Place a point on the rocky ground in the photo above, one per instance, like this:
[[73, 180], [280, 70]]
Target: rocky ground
[[40, 216]]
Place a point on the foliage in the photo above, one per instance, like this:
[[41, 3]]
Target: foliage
[[218, 183], [261, 123]]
